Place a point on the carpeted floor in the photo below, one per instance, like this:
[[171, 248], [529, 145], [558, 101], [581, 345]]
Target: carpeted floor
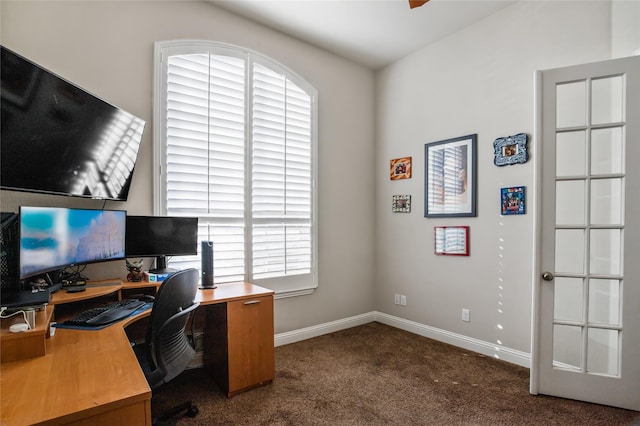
[[379, 375]]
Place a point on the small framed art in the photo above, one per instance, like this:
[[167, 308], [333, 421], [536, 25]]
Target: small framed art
[[400, 168], [401, 204], [512, 200], [510, 150], [451, 240]]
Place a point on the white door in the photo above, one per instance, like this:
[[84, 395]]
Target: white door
[[586, 325]]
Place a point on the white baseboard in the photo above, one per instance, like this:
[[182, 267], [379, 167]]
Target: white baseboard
[[494, 350], [320, 329]]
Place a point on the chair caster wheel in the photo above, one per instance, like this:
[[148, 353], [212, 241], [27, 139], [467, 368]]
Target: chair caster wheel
[[192, 411]]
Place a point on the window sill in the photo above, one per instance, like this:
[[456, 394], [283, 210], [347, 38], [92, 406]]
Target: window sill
[[283, 294]]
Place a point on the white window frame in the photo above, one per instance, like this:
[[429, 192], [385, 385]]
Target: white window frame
[[285, 286]]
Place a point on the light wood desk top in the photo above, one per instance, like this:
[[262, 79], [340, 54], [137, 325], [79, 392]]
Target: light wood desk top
[[61, 296], [97, 289], [87, 372], [231, 291], [82, 374]]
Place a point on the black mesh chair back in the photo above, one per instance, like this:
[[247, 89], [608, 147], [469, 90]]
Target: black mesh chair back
[[167, 349]]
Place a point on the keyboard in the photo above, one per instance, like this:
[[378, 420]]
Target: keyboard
[[104, 315]]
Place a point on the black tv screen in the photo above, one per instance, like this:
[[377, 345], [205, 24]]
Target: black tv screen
[[59, 139]]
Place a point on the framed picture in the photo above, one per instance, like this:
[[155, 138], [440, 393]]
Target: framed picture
[[451, 240], [510, 150], [512, 200], [450, 177], [400, 168], [401, 204]]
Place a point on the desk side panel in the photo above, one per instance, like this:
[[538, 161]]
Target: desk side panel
[[216, 355], [28, 346], [134, 414]]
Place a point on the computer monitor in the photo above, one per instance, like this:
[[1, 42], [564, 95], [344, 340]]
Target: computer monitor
[[161, 236], [53, 238]]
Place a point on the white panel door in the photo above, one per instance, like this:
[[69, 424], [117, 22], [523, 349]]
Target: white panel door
[[586, 325]]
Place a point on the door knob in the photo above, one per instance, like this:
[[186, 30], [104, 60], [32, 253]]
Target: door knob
[[547, 276]]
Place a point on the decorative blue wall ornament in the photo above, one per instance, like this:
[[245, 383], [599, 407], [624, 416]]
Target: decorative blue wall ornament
[[512, 200], [510, 150]]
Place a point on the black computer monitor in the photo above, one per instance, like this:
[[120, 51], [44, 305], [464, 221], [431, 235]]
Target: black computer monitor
[[160, 237], [53, 238]]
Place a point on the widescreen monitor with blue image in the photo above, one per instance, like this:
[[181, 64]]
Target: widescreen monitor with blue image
[[53, 238]]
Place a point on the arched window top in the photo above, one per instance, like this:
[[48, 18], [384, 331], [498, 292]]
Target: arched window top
[[180, 47], [235, 145]]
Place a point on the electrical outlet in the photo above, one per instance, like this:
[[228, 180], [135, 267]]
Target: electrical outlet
[[396, 299], [403, 300], [466, 315]]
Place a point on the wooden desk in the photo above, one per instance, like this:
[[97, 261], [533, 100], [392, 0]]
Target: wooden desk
[[92, 377]]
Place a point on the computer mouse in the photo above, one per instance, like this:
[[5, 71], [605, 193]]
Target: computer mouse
[[19, 327], [146, 298]]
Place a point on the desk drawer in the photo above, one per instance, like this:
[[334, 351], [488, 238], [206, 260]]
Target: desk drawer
[[239, 343]]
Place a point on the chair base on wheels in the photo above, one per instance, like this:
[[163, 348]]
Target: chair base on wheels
[[188, 407]]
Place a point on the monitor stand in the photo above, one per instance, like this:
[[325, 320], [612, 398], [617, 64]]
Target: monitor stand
[[161, 266]]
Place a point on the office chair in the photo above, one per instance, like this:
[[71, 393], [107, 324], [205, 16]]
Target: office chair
[[166, 351]]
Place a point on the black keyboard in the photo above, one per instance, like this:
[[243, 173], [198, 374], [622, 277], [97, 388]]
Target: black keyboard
[[116, 311]]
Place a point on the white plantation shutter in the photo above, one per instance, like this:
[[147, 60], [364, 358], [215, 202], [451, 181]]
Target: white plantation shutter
[[281, 176], [236, 148]]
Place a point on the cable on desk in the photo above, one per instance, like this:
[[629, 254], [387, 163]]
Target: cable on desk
[[73, 273], [24, 315]]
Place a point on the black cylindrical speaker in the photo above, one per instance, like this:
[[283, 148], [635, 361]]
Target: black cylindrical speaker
[[206, 255]]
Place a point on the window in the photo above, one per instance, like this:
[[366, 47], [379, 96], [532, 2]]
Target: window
[[235, 145]]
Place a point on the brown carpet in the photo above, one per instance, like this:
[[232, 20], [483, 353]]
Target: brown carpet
[[379, 375]]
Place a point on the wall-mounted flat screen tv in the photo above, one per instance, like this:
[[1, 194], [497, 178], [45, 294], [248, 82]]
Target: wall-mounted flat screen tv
[[59, 139]]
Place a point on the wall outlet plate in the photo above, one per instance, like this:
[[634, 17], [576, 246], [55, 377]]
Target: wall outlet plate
[[466, 315]]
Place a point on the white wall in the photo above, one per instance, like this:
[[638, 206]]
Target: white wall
[[625, 28], [107, 48], [479, 80]]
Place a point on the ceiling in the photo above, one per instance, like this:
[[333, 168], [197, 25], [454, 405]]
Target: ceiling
[[373, 33]]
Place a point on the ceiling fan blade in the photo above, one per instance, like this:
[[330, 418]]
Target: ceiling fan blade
[[416, 3]]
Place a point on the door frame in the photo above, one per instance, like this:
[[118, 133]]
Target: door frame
[[537, 235], [632, 230]]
